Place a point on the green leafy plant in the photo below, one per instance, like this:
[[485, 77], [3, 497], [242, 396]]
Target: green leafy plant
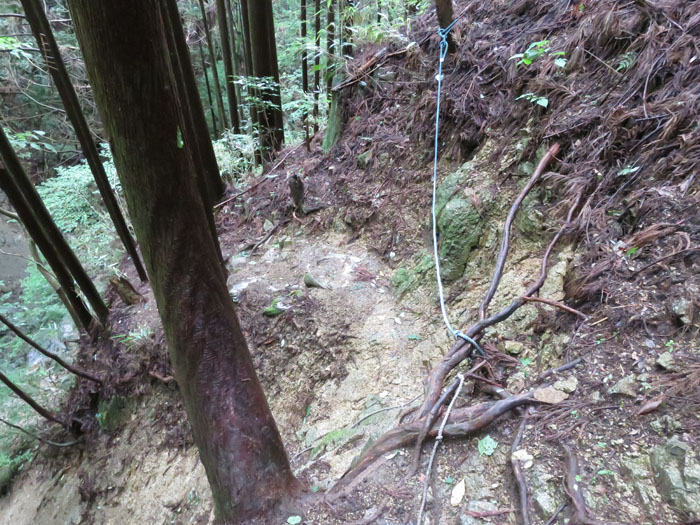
[[537, 50], [626, 61], [534, 99]]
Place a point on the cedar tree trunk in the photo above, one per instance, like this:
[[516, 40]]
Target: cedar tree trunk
[[127, 63], [34, 11]]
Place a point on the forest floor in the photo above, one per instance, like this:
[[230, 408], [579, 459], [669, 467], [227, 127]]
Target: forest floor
[[343, 362]]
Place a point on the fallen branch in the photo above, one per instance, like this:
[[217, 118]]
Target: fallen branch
[[562, 368], [487, 513], [28, 399], [556, 304], [4, 320], [263, 178], [518, 473], [39, 438], [665, 258]]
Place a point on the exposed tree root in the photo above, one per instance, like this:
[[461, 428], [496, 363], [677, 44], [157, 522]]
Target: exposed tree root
[[518, 473], [573, 489], [461, 423]]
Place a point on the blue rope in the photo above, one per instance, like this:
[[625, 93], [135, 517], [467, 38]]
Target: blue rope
[[443, 34]]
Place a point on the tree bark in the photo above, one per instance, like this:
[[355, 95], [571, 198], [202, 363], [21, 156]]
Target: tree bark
[[445, 16], [37, 220], [330, 47], [228, 64], [348, 8], [196, 129], [238, 441], [317, 61], [209, 96], [215, 71], [304, 71], [264, 61], [45, 40]]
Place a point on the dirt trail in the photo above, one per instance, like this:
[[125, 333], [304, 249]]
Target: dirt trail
[[128, 477]]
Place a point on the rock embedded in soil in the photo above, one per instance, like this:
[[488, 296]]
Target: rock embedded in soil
[[677, 475], [567, 385], [460, 225], [627, 386]]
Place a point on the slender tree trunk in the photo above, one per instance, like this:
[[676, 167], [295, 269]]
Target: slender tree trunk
[[30, 401], [264, 62], [45, 272], [215, 71], [228, 64], [238, 441], [197, 131], [317, 61], [234, 55], [37, 220], [36, 17], [4, 320], [206, 80], [379, 11], [253, 93], [445, 16], [347, 9], [304, 72], [330, 47]]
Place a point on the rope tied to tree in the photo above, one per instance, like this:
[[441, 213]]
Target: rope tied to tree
[[457, 334]]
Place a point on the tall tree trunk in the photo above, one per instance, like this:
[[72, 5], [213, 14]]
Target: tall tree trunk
[[253, 93], [445, 16], [36, 17], [228, 64], [206, 80], [196, 130], [215, 71], [304, 71], [264, 61], [317, 61], [347, 9], [238, 441], [330, 47], [30, 401], [234, 55], [379, 11], [37, 220]]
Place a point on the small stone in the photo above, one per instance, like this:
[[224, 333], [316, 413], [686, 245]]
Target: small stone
[[516, 382], [665, 361], [514, 347], [682, 308], [567, 385], [627, 386], [544, 503], [550, 395]]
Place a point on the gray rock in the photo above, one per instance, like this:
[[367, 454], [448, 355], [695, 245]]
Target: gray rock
[[567, 385], [665, 361], [516, 382], [627, 386], [637, 472], [682, 308], [545, 504], [677, 475]]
